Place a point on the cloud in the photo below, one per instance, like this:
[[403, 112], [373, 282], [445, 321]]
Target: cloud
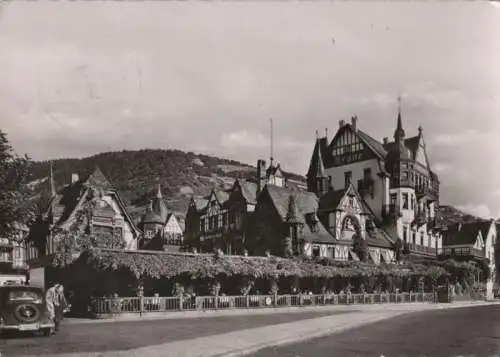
[[481, 210], [245, 139], [457, 139], [207, 78], [440, 167]]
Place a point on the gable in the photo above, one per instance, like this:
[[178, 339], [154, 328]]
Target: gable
[[351, 202], [173, 225], [479, 241], [348, 146], [421, 152], [421, 156]]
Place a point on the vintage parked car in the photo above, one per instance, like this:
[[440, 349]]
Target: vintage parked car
[[23, 308]]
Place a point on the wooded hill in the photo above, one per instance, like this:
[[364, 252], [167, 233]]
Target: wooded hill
[[135, 174]]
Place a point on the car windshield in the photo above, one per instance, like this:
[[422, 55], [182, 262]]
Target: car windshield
[[25, 295]]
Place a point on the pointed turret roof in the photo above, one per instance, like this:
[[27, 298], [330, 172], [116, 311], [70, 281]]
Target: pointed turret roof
[[399, 133], [293, 215], [151, 216], [317, 164], [158, 205], [320, 167]]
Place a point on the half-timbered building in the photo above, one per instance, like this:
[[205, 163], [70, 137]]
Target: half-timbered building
[[395, 180], [90, 206], [473, 242], [161, 229]]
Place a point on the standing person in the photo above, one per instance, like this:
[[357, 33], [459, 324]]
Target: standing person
[[51, 300], [60, 306]]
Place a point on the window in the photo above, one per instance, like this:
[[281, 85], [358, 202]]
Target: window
[[394, 198], [347, 178], [367, 174], [103, 231], [224, 219], [405, 201], [316, 251], [414, 238], [421, 238], [412, 202], [405, 234]]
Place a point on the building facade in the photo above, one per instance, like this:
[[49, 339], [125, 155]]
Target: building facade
[[394, 179], [222, 219], [84, 207], [13, 256], [473, 242], [161, 229]]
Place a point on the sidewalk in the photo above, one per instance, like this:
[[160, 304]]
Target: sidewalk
[[239, 312], [242, 342]]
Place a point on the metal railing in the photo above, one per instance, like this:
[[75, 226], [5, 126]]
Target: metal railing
[[118, 305], [422, 249]]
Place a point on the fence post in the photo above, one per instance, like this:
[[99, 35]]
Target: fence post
[[181, 302], [248, 301], [275, 300], [141, 305]]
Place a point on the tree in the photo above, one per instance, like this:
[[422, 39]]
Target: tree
[[360, 247], [14, 193], [288, 247], [398, 249]]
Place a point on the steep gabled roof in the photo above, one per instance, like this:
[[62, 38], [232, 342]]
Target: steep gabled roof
[[248, 190], [159, 207], [376, 146], [199, 203], [331, 199], [319, 235], [98, 180], [464, 233], [410, 143], [293, 215], [306, 202], [317, 163]]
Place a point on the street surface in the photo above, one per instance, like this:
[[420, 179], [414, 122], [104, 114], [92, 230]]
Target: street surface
[[455, 332], [115, 336]]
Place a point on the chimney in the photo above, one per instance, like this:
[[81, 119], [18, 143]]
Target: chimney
[[386, 140], [354, 121], [341, 123], [261, 174], [74, 178]]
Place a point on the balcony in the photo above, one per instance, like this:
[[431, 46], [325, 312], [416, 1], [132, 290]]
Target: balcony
[[420, 219], [431, 192], [464, 253], [415, 248]]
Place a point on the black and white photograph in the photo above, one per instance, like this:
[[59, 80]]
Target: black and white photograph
[[249, 178]]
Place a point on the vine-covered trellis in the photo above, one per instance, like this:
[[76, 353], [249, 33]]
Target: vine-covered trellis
[[79, 235]]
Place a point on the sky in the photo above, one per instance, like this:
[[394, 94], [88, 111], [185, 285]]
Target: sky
[[82, 77]]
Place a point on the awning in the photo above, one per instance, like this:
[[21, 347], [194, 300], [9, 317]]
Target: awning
[[354, 256], [375, 257]]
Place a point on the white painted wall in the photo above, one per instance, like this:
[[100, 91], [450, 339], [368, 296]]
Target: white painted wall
[[357, 169]]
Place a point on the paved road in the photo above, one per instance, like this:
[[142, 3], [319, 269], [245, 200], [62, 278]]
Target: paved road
[[455, 332], [115, 336]]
